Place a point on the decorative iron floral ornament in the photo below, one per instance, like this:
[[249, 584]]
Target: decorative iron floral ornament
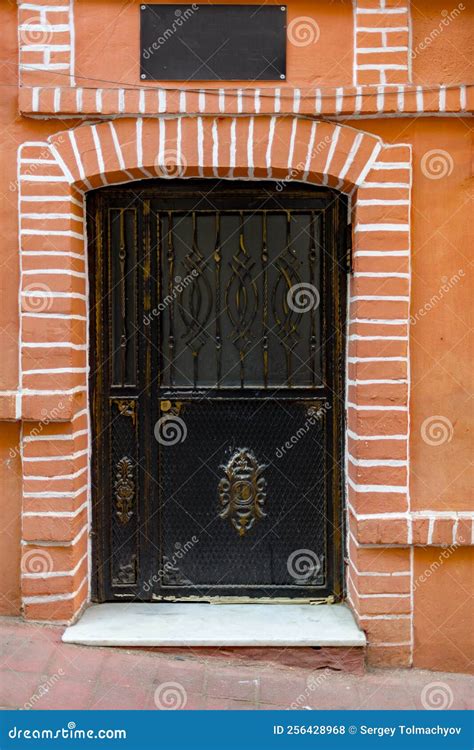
[[124, 489], [242, 492]]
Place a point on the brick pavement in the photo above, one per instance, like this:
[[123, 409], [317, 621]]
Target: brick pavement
[[38, 671]]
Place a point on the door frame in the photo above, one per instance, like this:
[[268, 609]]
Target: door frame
[[342, 234]]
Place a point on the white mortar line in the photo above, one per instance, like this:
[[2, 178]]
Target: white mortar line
[[54, 597]]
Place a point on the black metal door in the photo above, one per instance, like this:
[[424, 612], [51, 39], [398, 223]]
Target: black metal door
[[216, 390]]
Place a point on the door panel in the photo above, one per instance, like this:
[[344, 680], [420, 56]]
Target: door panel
[[226, 319], [216, 390], [267, 499]]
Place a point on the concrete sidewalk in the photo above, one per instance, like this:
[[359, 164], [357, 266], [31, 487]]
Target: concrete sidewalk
[[38, 671]]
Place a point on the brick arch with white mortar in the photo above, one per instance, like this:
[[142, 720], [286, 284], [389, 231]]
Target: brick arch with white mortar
[[53, 179]]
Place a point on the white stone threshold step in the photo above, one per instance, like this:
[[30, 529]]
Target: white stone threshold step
[[200, 624]]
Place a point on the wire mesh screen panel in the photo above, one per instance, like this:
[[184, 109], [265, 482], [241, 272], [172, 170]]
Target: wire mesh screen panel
[[253, 509], [216, 390]]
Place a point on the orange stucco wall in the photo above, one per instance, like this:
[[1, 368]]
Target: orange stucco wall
[[443, 610], [443, 45], [442, 242], [116, 49]]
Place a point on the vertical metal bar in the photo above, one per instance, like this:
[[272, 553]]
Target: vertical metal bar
[[288, 351], [241, 350], [312, 281], [193, 315], [144, 426], [265, 300], [217, 272], [123, 297], [101, 378], [135, 296], [170, 259]]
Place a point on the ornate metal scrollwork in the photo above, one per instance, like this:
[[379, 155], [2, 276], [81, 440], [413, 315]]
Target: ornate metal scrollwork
[[196, 299], [242, 492], [126, 407], [124, 489], [286, 318], [241, 299]]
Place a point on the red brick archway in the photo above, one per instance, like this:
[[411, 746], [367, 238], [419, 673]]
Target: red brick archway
[[53, 401]]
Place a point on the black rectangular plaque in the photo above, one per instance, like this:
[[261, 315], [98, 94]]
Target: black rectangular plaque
[[212, 42]]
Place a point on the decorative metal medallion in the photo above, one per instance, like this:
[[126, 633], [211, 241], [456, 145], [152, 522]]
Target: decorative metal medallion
[[124, 489], [242, 492]]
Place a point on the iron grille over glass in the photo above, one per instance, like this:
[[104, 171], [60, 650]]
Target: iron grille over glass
[[235, 283]]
